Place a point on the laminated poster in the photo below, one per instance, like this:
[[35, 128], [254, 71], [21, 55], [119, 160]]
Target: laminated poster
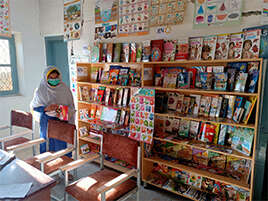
[[133, 17], [4, 18], [142, 105], [106, 14], [72, 19], [217, 12], [264, 17]]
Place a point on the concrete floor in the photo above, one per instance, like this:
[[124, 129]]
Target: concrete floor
[[149, 194]]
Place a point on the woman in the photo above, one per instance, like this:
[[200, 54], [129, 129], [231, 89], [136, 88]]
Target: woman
[[51, 93]]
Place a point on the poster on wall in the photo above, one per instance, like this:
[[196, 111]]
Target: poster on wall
[[133, 17], [106, 17], [217, 12], [142, 106], [264, 17], [165, 12], [72, 19], [4, 18]]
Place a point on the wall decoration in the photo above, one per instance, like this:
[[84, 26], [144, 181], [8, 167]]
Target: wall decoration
[[4, 18], [133, 17], [217, 12], [264, 18], [106, 17], [164, 12], [142, 105], [72, 19]]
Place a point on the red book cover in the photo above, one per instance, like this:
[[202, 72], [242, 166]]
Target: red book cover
[[192, 74], [182, 50], [157, 50]]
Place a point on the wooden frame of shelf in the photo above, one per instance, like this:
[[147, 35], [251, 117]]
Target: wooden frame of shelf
[[148, 162]]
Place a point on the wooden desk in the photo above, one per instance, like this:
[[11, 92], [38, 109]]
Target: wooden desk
[[20, 172]]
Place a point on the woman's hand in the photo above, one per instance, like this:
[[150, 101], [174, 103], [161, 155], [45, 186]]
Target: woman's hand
[[52, 107]]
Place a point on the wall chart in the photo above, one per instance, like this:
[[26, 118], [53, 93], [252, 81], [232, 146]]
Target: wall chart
[[4, 18]]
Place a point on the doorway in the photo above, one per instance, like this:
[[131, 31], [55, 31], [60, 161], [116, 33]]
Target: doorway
[[57, 55]]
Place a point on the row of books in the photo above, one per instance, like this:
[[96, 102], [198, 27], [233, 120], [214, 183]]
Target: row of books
[[229, 166], [115, 75], [189, 184], [225, 46], [227, 107], [237, 76], [237, 138], [105, 95]]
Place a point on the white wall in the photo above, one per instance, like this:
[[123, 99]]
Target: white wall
[[30, 55], [51, 20]]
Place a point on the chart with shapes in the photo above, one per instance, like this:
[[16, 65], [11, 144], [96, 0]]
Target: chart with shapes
[[142, 106], [106, 17], [72, 19], [133, 17], [167, 12], [217, 12], [4, 18]]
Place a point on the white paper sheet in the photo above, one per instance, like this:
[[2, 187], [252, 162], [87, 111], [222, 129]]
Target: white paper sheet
[[14, 190]]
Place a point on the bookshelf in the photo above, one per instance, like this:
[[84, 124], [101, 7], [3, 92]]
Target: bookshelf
[[149, 162]]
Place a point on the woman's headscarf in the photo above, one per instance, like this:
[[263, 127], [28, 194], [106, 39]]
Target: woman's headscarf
[[45, 94]]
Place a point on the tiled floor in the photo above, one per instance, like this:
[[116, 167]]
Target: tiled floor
[[149, 194]]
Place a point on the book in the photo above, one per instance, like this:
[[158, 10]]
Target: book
[[169, 50], [170, 78], [206, 80], [139, 52], [222, 135], [161, 100], [99, 110], [242, 140], [205, 103], [192, 74], [83, 131], [109, 114], [238, 168], [95, 53], [133, 52], [192, 106], [231, 78], [214, 106], [114, 72], [239, 66], [123, 76], [184, 128], [63, 112], [195, 46], [208, 48], [218, 69], [109, 55], [84, 93], [253, 80], [117, 52], [180, 103], [197, 103], [122, 117], [84, 149], [235, 46], [120, 96], [208, 132], [194, 128], [238, 113], [125, 53], [103, 52], [186, 104], [107, 96], [94, 74], [105, 77], [220, 81], [249, 106], [111, 97], [146, 50], [219, 105], [222, 47], [231, 102], [157, 50], [251, 45], [172, 101], [183, 80], [241, 80], [93, 110], [182, 50], [200, 157], [125, 97], [224, 107], [100, 95]]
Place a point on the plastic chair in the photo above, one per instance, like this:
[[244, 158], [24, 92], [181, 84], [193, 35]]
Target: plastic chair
[[18, 119], [108, 184]]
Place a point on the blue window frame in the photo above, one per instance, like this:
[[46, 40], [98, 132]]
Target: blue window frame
[[8, 67]]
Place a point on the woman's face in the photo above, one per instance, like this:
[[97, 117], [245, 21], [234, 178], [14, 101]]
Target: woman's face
[[53, 76]]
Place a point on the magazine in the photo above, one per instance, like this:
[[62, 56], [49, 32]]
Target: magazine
[[195, 44], [182, 50], [209, 46], [251, 45], [235, 46], [222, 47], [169, 50]]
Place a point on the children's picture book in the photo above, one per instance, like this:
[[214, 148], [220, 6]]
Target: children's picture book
[[220, 81], [120, 96], [219, 105], [224, 107], [105, 77], [231, 102], [157, 50], [180, 103], [186, 104], [62, 112], [107, 96], [214, 106], [235, 46], [117, 52], [238, 66], [208, 132], [139, 52], [169, 50], [98, 114], [222, 46], [146, 50], [93, 110], [238, 168], [123, 76], [83, 131], [108, 114], [94, 74], [249, 106], [182, 50], [125, 97], [194, 129], [170, 78], [172, 101], [125, 53], [95, 53], [100, 95], [241, 80], [209, 46], [122, 117], [103, 52], [231, 78], [253, 80], [184, 128], [205, 103], [84, 93], [192, 106], [183, 80], [197, 103], [251, 45], [206, 80], [222, 135], [238, 113], [242, 140], [133, 52], [218, 69], [109, 55], [195, 44], [114, 72], [84, 149], [192, 74]]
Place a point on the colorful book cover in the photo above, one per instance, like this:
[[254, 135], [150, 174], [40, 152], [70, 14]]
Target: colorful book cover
[[195, 44], [231, 102], [192, 106], [200, 157], [214, 106], [105, 77], [208, 133], [180, 103], [251, 45], [95, 53], [172, 101], [125, 53], [224, 107], [182, 50], [62, 112], [84, 149], [238, 168], [242, 140], [197, 103], [146, 50], [83, 131], [219, 104], [133, 52], [231, 78], [249, 109], [103, 52], [123, 76], [139, 52], [205, 103], [192, 75], [241, 80], [218, 69], [125, 97], [238, 114], [169, 50], [120, 96], [239, 102], [183, 80], [98, 114], [109, 114], [100, 94], [239, 66], [117, 52], [220, 81], [122, 117], [222, 46], [84, 93], [184, 128], [222, 135], [209, 46], [186, 104], [94, 74], [109, 55], [107, 96], [114, 72], [253, 80], [235, 46], [194, 129], [93, 109], [206, 80], [157, 50]]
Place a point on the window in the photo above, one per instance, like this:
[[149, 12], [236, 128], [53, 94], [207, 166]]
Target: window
[[8, 67]]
